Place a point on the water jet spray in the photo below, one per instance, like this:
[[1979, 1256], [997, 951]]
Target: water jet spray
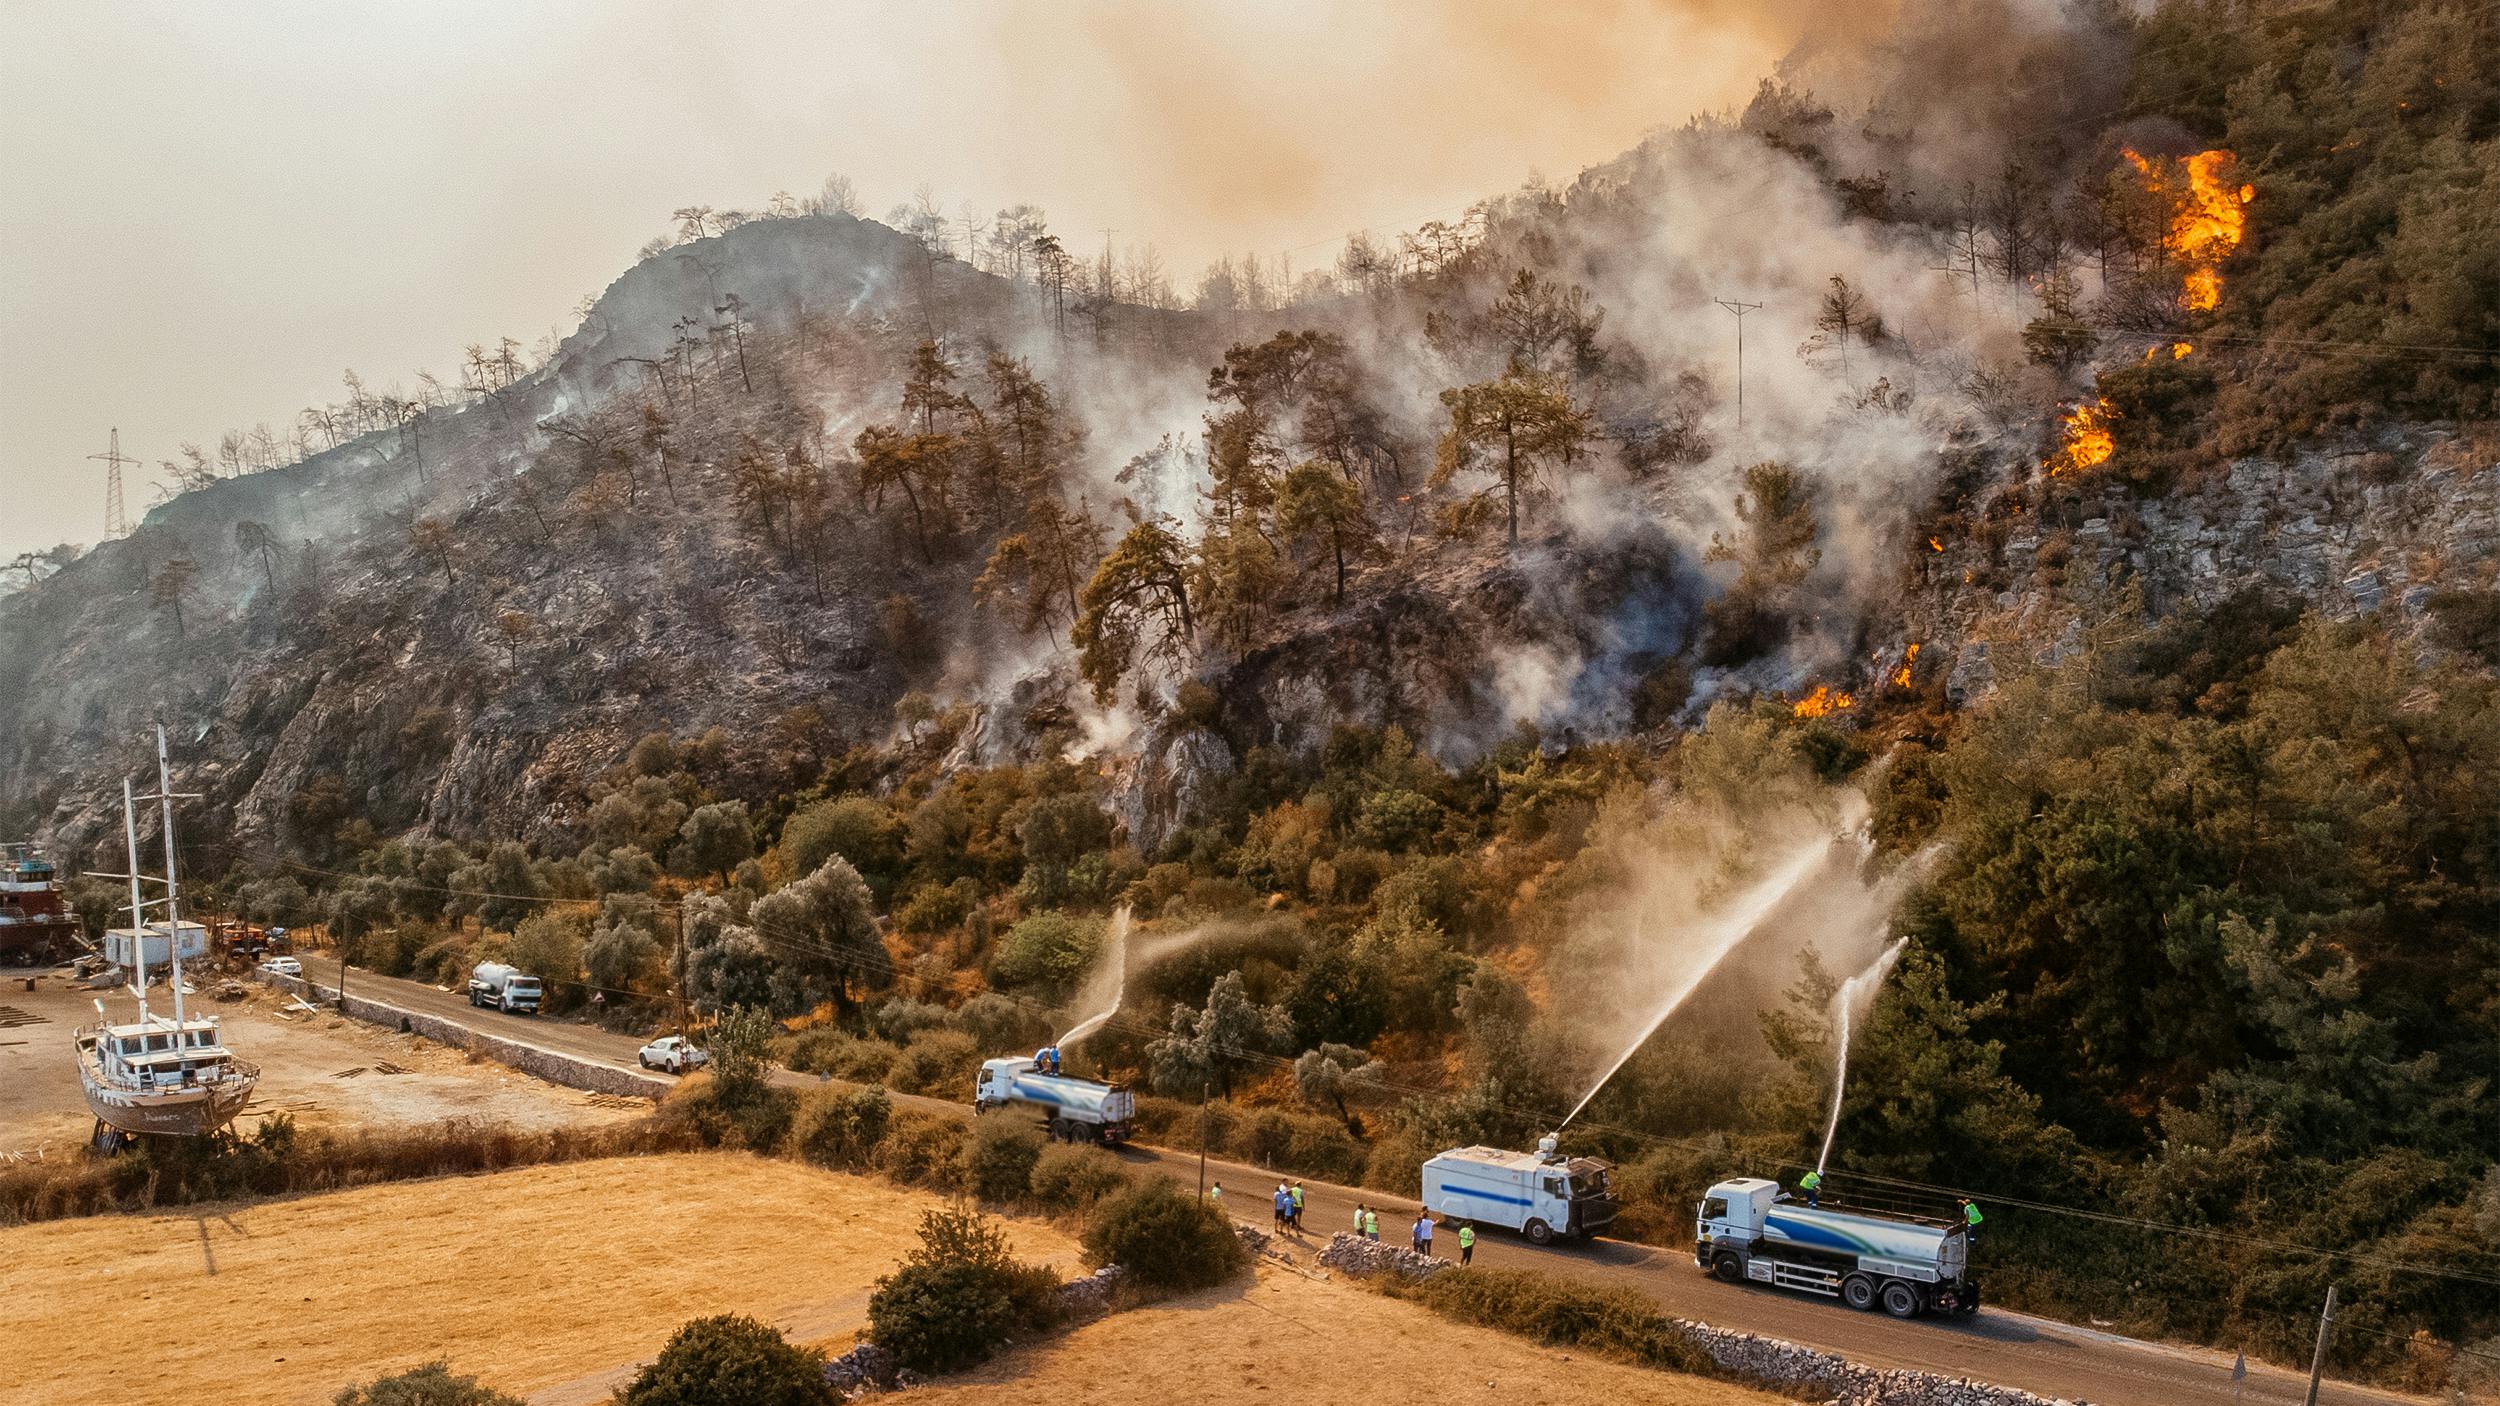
[[1116, 947], [1858, 991], [1730, 930]]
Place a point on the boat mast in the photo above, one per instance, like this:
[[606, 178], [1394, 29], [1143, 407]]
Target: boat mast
[[173, 913], [138, 905]]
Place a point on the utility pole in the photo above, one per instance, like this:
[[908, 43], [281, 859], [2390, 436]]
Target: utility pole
[[116, 520], [2317, 1355], [1739, 309], [677, 968]]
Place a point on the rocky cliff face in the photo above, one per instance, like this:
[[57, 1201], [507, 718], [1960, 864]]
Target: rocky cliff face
[[2372, 526]]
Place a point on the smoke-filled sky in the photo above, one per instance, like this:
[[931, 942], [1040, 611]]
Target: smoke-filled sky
[[207, 212]]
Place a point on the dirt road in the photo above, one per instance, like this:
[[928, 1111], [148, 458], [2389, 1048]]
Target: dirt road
[[2038, 1354]]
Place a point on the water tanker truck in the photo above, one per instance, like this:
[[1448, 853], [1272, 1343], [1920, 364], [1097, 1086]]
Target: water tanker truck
[[1072, 1109], [1746, 1230], [505, 988], [1542, 1194]]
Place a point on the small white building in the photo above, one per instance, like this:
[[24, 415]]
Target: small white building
[[122, 946]]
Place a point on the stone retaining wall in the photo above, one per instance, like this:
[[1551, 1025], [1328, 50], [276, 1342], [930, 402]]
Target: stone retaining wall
[[1770, 1362], [572, 1071]]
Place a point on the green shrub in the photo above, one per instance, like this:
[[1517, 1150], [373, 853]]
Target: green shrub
[[939, 1062], [1048, 953], [924, 1149], [939, 907], [863, 831], [1617, 1323], [548, 945], [999, 1155], [827, 1049], [901, 1018], [429, 1385], [756, 1118], [730, 1360], [958, 1296], [445, 961], [391, 951], [836, 1127], [1071, 1177], [1165, 1237], [998, 1022]]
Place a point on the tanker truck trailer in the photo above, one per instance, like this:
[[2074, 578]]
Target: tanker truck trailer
[[1748, 1231]]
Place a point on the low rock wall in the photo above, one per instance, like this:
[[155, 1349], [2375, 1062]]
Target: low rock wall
[[572, 1071], [1349, 1253], [1785, 1366]]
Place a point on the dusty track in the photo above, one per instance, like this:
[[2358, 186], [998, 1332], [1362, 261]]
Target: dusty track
[[2038, 1354]]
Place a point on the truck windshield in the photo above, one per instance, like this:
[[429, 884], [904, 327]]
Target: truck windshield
[[1588, 1184], [1714, 1208]]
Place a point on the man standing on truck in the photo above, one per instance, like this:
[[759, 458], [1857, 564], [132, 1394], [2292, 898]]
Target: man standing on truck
[[1812, 1185], [1970, 1221]]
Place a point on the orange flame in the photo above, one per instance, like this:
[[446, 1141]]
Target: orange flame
[[1901, 676], [2085, 442], [1935, 544], [2180, 349], [1823, 702], [2208, 218]]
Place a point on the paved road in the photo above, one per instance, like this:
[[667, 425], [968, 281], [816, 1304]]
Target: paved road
[[2040, 1355]]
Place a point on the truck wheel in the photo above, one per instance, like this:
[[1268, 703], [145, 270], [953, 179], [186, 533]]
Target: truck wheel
[[1728, 1269], [1900, 1300], [1858, 1291], [1539, 1233]]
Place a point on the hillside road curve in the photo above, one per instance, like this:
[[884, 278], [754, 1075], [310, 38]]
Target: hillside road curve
[[2013, 1349]]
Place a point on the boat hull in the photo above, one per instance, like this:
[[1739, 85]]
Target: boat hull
[[193, 1111]]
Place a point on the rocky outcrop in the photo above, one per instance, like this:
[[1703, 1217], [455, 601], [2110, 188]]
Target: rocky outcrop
[[2362, 527]]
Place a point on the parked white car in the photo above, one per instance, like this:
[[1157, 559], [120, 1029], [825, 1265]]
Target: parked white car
[[283, 966], [674, 1053]]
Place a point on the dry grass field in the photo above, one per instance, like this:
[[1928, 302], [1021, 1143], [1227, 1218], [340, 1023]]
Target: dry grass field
[[550, 1282], [1288, 1341]]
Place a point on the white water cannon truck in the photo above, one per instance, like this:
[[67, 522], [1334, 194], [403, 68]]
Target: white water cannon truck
[[1072, 1109], [1542, 1194], [1748, 1230], [505, 988]]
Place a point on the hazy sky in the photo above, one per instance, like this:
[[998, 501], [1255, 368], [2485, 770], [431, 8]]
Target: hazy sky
[[208, 211]]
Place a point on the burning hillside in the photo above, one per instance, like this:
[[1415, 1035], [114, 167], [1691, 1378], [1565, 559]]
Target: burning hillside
[[2207, 217]]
